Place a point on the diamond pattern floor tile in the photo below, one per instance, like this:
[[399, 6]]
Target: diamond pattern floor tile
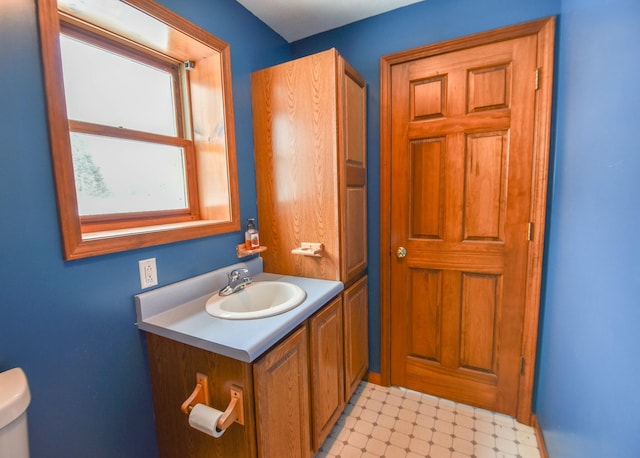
[[398, 423]]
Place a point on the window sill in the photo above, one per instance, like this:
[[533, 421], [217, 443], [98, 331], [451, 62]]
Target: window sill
[[106, 242], [144, 230]]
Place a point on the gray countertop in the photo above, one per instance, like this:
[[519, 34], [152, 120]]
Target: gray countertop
[[177, 311]]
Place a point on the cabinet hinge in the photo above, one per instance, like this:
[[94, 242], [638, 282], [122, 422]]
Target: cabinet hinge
[[530, 231], [522, 363], [537, 78]]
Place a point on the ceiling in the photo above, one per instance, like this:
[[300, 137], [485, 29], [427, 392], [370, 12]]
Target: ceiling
[[296, 19]]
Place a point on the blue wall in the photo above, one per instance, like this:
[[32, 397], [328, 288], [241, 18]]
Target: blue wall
[[588, 379], [70, 325]]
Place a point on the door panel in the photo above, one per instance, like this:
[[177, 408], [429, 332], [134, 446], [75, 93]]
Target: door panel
[[485, 186], [427, 187], [479, 303], [425, 316], [461, 170]]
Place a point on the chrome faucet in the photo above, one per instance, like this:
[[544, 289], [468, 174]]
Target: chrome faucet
[[238, 279]]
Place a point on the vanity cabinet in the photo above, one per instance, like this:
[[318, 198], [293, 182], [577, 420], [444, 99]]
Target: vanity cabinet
[[293, 394]]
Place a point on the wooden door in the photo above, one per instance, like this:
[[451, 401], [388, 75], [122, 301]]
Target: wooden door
[[462, 195]]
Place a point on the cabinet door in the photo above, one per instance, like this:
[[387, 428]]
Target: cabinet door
[[356, 341], [281, 380], [353, 163], [327, 370]]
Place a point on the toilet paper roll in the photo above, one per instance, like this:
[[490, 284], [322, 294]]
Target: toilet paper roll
[[204, 418]]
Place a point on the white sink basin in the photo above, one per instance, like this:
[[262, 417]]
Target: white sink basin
[[257, 300]]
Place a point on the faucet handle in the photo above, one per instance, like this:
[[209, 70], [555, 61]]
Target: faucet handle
[[236, 274]]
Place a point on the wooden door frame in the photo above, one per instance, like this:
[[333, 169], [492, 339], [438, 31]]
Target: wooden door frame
[[544, 29]]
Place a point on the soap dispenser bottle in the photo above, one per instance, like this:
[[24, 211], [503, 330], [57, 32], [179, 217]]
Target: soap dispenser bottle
[[251, 237]]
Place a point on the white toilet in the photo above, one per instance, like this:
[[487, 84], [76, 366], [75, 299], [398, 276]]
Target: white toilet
[[14, 400]]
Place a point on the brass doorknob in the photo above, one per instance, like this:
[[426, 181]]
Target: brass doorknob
[[401, 252]]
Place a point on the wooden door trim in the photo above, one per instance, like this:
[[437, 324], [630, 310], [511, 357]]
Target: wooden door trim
[[544, 29]]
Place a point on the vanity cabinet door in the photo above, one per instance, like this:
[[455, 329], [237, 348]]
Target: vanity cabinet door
[[281, 384], [327, 370], [356, 340]]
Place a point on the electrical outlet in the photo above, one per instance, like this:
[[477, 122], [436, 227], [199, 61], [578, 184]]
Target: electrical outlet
[[148, 273]]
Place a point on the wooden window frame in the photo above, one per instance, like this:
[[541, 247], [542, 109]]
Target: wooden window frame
[[207, 130]]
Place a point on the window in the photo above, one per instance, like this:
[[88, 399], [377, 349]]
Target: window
[[141, 125]]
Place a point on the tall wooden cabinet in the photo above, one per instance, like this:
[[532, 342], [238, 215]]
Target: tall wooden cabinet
[[309, 133]]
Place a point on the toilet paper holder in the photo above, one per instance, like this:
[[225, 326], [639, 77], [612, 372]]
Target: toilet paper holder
[[200, 395]]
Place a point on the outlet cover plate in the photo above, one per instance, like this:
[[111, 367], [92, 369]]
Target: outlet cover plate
[[148, 273]]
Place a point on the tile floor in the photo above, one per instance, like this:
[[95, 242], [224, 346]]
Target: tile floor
[[398, 423]]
